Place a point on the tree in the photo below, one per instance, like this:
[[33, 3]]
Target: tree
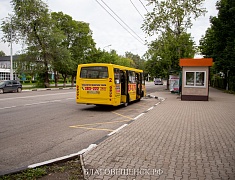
[[82, 46], [138, 61], [170, 20], [172, 15], [30, 23], [163, 54], [2, 53], [219, 40]]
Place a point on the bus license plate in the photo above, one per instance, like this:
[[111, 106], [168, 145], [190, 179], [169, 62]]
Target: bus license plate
[[93, 92]]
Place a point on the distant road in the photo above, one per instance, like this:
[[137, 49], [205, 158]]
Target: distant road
[[37, 126]]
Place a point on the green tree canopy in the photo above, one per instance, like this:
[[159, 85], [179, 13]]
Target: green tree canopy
[[172, 15], [170, 20], [163, 53], [30, 23], [139, 62], [219, 40]]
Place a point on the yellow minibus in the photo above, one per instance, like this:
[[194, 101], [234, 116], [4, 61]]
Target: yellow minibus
[[108, 84]]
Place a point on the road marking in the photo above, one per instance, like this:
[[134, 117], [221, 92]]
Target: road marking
[[43, 102], [8, 107], [157, 104], [149, 108], [122, 115], [37, 103], [35, 96], [118, 129], [98, 129], [109, 122], [32, 104], [139, 116], [70, 98], [124, 109]]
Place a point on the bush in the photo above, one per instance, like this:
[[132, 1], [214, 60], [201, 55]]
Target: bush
[[29, 77]]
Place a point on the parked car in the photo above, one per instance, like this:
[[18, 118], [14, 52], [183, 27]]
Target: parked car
[[10, 86], [158, 81]]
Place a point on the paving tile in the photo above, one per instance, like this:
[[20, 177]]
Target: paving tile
[[187, 140]]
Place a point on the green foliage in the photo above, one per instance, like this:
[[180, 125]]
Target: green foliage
[[55, 42], [20, 77], [74, 48], [30, 23], [165, 52], [2, 53], [27, 174], [29, 78], [172, 15], [170, 20], [219, 40], [139, 63], [100, 56]]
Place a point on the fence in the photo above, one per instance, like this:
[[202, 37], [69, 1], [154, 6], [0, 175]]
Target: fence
[[219, 82]]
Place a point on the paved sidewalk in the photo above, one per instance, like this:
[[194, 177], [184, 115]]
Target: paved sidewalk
[[175, 140]]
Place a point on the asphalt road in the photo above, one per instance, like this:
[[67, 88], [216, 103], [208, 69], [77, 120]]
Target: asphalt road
[[37, 126]]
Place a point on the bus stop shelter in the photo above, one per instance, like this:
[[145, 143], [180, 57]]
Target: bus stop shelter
[[195, 79]]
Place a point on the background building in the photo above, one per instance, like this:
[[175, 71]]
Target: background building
[[5, 66]]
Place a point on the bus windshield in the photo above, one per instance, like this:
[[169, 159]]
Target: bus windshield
[[94, 72]]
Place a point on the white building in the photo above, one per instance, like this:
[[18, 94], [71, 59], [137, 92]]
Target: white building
[[5, 66]]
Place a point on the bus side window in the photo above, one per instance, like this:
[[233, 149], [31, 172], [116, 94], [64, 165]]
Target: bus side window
[[132, 79], [117, 76]]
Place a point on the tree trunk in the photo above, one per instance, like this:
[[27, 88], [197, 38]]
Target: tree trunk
[[56, 78], [167, 83], [73, 79], [64, 76], [46, 80], [46, 76]]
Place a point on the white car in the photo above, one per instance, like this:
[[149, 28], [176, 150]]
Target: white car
[[158, 81]]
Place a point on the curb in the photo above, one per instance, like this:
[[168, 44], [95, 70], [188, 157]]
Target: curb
[[48, 89], [56, 160], [83, 151]]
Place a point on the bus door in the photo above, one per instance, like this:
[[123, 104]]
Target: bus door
[[141, 84], [117, 81], [124, 86], [138, 85]]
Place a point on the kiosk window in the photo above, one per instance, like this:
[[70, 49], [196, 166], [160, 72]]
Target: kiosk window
[[195, 79]]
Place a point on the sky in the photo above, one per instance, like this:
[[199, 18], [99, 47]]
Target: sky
[[108, 34]]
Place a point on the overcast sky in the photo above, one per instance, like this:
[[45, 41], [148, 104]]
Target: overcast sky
[[107, 32]]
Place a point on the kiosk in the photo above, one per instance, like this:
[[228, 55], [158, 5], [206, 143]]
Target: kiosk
[[195, 79]]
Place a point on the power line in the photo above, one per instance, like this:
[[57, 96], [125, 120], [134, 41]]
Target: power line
[[123, 21], [137, 9], [119, 22], [143, 6]]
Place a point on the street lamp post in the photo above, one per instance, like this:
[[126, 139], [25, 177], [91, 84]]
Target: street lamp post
[[11, 68]]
